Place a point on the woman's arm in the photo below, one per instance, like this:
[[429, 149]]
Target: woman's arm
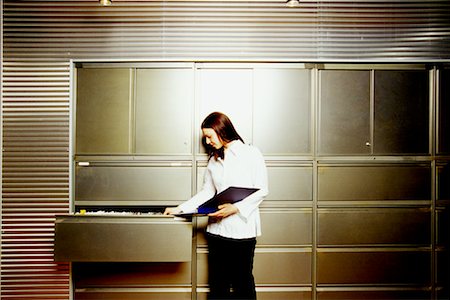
[[208, 191]]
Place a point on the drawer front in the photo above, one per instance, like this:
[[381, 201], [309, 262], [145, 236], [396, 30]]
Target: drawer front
[[271, 266], [373, 295], [370, 267], [109, 239], [374, 226], [130, 183], [374, 183], [286, 227], [127, 274]]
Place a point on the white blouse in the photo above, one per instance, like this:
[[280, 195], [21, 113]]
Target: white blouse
[[243, 166]]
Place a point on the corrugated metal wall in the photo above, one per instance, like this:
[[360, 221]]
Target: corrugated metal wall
[[40, 38]]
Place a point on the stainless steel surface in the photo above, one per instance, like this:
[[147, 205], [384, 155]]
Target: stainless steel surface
[[40, 38], [273, 293], [103, 111], [443, 180], [282, 94], [150, 184], [302, 186], [374, 267], [443, 127], [344, 112], [373, 294], [108, 275], [133, 294], [263, 30], [119, 239], [374, 226], [401, 118], [164, 127], [286, 227], [369, 182]]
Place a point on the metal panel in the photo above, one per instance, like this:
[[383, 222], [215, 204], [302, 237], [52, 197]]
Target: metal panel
[[35, 177], [344, 119], [228, 91], [41, 36], [128, 274], [97, 239], [443, 111], [268, 293], [283, 266], [442, 264], [291, 183], [390, 182], [393, 226], [282, 94], [368, 266], [374, 294], [164, 106], [278, 294], [286, 266], [443, 227], [401, 112], [102, 184], [443, 181], [239, 30], [293, 227], [103, 109], [133, 294]]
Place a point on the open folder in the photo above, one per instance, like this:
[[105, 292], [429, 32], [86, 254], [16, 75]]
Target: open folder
[[230, 195]]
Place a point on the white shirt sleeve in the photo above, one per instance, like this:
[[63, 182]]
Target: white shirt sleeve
[[259, 174]]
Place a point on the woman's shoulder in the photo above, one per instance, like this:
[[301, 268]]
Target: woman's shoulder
[[252, 150]]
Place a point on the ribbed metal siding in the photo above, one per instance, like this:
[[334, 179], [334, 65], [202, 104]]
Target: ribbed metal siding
[[41, 36], [35, 178], [229, 30]]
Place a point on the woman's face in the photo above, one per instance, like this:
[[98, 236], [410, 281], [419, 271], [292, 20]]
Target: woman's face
[[212, 139]]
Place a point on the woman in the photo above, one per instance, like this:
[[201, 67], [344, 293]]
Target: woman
[[232, 230]]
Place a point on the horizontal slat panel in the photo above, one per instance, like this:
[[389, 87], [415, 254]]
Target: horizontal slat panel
[[210, 30], [35, 178]]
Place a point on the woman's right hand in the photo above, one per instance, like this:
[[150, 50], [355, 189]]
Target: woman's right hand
[[171, 211]]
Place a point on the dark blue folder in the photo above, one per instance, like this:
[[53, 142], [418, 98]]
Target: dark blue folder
[[230, 195]]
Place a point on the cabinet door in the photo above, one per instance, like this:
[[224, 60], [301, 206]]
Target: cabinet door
[[444, 112], [103, 111], [164, 105], [401, 112], [344, 116], [228, 91], [282, 110], [443, 181]]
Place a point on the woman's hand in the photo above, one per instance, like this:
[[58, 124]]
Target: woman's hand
[[225, 210], [171, 211]]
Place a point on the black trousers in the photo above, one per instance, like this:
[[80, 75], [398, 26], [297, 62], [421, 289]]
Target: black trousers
[[230, 268]]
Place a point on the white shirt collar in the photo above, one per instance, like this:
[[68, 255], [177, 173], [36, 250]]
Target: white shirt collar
[[234, 146]]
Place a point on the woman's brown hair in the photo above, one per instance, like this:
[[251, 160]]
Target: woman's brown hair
[[222, 125]]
